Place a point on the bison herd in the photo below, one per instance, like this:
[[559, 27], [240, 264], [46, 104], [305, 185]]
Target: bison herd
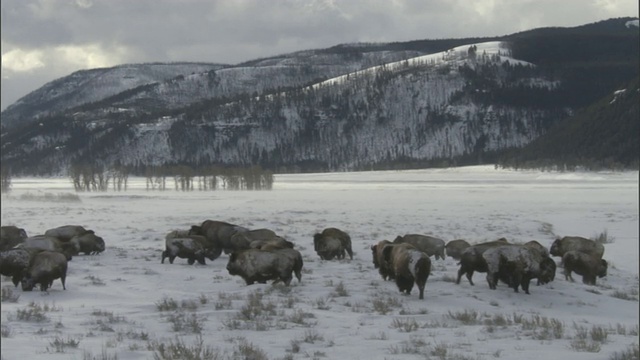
[[40, 259], [261, 255]]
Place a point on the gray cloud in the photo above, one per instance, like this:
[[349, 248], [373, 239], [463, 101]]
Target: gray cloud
[[46, 39]]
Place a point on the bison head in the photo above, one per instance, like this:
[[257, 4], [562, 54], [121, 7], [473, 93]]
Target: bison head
[[233, 267], [374, 250], [547, 271], [555, 248], [196, 230], [27, 282], [602, 270]]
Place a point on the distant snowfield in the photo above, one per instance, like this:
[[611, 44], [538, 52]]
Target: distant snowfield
[[113, 305]]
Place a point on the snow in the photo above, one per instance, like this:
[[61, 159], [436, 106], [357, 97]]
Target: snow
[[340, 309]]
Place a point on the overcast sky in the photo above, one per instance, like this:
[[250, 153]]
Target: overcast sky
[[43, 40]]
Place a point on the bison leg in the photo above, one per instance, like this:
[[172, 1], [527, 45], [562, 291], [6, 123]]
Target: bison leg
[[63, 277], [16, 279], [492, 280], [469, 276], [567, 275], [350, 252], [171, 258], [164, 255], [191, 260], [525, 284]]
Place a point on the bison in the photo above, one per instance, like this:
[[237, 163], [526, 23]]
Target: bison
[[454, 248], [332, 242], [378, 259], [49, 243], [242, 240], [584, 264], [184, 248], [576, 243], [45, 267], [14, 262], [10, 236], [276, 242], [67, 232], [516, 265], [410, 266], [255, 265], [427, 244], [88, 243], [471, 259], [218, 235]]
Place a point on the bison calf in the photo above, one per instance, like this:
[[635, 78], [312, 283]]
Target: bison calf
[[584, 264]]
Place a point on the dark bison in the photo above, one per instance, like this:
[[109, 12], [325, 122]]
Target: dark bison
[[181, 244], [429, 245], [255, 265], [276, 242], [10, 236], [218, 234], [471, 259], [49, 243], [332, 242], [516, 265], [88, 243], [242, 240], [576, 243], [378, 259], [67, 232], [454, 248], [45, 267], [410, 266], [584, 264], [14, 262]]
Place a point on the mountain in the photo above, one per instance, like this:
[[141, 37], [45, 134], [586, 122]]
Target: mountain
[[604, 135], [348, 107]]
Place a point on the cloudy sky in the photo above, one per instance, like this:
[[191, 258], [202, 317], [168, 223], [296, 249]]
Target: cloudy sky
[[43, 40]]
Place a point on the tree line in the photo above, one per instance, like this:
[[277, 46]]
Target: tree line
[[182, 177]]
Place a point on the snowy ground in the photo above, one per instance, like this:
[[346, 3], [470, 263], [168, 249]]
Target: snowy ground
[[124, 304]]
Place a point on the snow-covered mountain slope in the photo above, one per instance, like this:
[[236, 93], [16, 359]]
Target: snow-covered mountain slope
[[349, 107]]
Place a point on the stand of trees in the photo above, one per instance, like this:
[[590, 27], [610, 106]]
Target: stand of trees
[[185, 178]]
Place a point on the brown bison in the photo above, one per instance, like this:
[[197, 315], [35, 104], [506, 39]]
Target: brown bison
[[410, 266], [14, 262], [218, 234], [88, 243], [255, 265], [332, 243], [49, 243], [584, 264], [429, 245], [471, 259], [454, 248], [242, 240], [576, 243], [10, 236], [272, 244], [67, 232], [45, 267], [378, 259], [516, 265]]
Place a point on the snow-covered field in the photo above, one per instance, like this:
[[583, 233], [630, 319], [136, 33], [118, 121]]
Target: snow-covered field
[[125, 304]]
